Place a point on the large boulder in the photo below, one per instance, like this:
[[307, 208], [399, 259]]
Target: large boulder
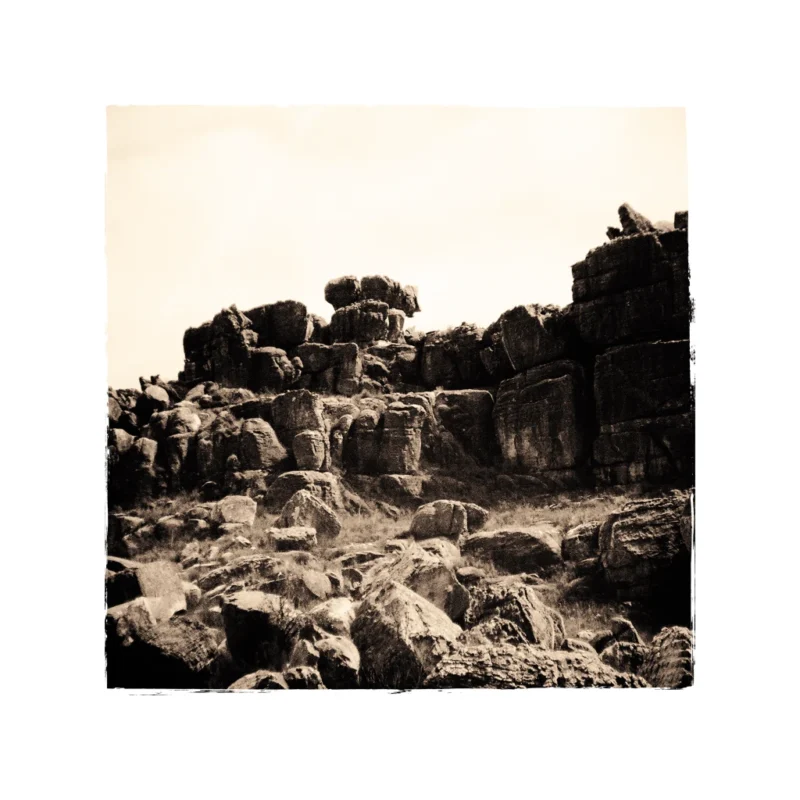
[[428, 574], [517, 603], [151, 579], [305, 509], [386, 290], [669, 663], [362, 444], [643, 554], [323, 485], [534, 335], [260, 629], [271, 370], [518, 666], [539, 418], [526, 549], [310, 450], [447, 518], [343, 291], [451, 359], [175, 654], [580, 542], [401, 636], [339, 662], [335, 615], [259, 446]]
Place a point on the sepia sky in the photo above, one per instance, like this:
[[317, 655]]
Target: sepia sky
[[481, 209]]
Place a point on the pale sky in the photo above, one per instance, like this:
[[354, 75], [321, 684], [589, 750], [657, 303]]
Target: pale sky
[[481, 209]]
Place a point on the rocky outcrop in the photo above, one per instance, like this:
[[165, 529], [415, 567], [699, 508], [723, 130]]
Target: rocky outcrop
[[534, 335], [305, 509]]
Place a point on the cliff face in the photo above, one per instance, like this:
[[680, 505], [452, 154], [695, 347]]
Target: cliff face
[[595, 393]]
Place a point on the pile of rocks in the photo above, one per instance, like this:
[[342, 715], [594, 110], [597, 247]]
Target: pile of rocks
[[403, 613]]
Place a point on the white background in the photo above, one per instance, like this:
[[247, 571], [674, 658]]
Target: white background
[[731, 66]]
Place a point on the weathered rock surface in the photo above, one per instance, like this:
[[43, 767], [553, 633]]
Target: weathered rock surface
[[339, 663], [293, 538], [259, 446], [323, 485], [669, 663], [532, 549], [236, 509], [642, 552], [305, 509], [401, 637], [447, 518], [509, 666], [539, 418], [261, 679], [534, 335]]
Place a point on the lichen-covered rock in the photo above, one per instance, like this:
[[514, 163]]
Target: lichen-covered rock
[[401, 637], [539, 418], [305, 509], [534, 335], [669, 663], [519, 666], [526, 549]]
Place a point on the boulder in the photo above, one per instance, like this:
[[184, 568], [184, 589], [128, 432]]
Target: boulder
[[518, 603], [271, 370], [518, 666], [306, 510], [335, 615], [261, 679], [526, 549], [310, 450], [315, 357], [580, 542], [294, 538], [451, 359], [362, 444], [259, 629], [625, 657], [643, 555], [236, 508], [669, 663], [289, 324], [401, 637], [152, 579], [447, 518], [633, 222], [539, 418], [339, 662], [364, 322], [344, 291], [429, 574], [323, 485], [175, 654], [533, 335], [303, 678]]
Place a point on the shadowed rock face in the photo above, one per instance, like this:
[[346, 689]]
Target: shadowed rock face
[[669, 662], [539, 418]]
